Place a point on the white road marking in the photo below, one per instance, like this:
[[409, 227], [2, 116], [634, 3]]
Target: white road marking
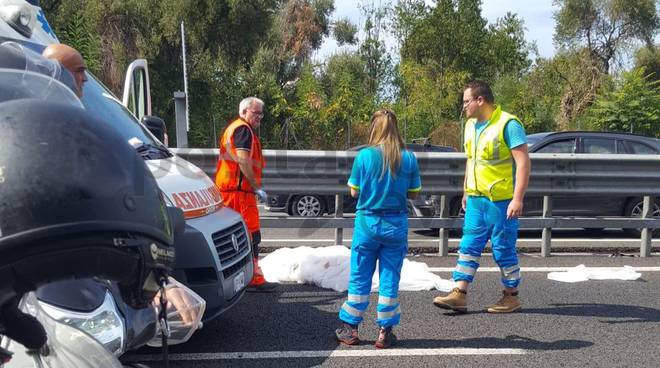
[[543, 269], [352, 353]]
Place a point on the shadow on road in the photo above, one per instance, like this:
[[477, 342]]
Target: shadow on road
[[618, 312]]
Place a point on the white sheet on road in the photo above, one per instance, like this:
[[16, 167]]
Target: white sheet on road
[[329, 267], [583, 273]]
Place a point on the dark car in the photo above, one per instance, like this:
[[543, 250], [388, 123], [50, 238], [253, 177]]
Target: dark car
[[313, 205], [592, 142]]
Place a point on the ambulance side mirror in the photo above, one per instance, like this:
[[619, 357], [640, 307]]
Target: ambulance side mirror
[[156, 126]]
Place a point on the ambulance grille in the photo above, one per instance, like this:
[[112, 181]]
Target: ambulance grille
[[224, 246]]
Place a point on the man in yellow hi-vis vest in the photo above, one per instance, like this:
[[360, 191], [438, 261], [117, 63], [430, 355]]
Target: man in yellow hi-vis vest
[[496, 178]]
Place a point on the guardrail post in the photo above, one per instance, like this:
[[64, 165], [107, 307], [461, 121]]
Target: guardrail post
[[443, 246], [339, 213], [645, 250], [181, 122], [546, 235]]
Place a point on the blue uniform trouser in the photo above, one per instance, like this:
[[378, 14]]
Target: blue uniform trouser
[[382, 238], [486, 220]]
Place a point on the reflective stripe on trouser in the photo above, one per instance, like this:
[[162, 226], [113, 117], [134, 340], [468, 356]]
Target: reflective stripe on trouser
[[383, 239], [466, 267], [486, 220]]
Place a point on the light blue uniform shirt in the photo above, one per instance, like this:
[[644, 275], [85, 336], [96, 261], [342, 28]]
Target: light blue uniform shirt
[[514, 133], [386, 194]]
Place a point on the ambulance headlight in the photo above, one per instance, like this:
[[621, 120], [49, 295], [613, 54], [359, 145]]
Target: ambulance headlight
[[19, 15]]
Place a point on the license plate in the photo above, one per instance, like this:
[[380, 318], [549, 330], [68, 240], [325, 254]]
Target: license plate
[[239, 281]]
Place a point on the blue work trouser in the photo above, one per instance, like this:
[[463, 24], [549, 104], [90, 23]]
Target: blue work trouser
[[382, 238], [486, 220]]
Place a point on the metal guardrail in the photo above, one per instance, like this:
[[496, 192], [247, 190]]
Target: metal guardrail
[[326, 172]]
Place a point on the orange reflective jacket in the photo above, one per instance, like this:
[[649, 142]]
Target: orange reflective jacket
[[228, 175]]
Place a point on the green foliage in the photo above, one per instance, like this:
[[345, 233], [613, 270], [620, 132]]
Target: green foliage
[[443, 47], [377, 60], [264, 48], [77, 34], [632, 106], [649, 58], [345, 32]]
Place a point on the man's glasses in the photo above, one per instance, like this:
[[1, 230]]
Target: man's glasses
[[466, 103], [258, 113]]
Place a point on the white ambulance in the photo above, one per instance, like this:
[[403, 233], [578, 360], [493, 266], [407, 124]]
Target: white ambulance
[[214, 256]]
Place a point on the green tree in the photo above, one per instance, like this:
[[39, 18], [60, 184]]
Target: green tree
[[648, 57], [509, 51], [632, 106], [345, 32], [442, 47], [234, 49], [605, 27], [377, 60]]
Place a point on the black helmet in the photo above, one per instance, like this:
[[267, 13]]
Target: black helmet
[[77, 201]]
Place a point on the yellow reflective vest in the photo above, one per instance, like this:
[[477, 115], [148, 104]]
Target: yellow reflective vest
[[489, 170]]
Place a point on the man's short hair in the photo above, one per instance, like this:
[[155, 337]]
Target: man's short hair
[[247, 102], [481, 89]]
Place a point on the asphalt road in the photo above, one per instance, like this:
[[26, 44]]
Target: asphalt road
[[585, 324]]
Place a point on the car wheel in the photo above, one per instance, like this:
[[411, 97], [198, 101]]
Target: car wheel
[[308, 206], [634, 209]]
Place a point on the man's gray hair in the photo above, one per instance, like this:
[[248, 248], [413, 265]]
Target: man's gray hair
[[247, 102]]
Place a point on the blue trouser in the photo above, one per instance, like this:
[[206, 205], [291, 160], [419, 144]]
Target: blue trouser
[[382, 238], [486, 220]]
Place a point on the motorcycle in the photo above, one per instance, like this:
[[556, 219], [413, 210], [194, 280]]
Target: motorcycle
[[74, 342]]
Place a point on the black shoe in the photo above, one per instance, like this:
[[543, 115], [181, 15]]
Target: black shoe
[[386, 338], [266, 287], [347, 334]]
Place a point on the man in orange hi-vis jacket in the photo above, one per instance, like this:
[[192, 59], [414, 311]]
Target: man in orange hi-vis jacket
[[238, 176]]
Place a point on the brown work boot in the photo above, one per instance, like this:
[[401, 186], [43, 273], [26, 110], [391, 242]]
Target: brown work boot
[[456, 300], [509, 303]]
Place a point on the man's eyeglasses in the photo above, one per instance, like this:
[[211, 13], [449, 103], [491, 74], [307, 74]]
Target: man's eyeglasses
[[258, 113], [466, 103]]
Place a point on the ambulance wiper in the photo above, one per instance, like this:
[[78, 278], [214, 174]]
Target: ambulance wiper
[[150, 151]]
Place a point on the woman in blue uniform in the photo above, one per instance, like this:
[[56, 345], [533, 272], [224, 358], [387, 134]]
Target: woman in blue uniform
[[384, 175]]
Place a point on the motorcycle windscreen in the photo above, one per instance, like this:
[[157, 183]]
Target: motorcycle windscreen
[[184, 314], [67, 346], [26, 74]]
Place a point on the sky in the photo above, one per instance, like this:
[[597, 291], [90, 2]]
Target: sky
[[537, 15]]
